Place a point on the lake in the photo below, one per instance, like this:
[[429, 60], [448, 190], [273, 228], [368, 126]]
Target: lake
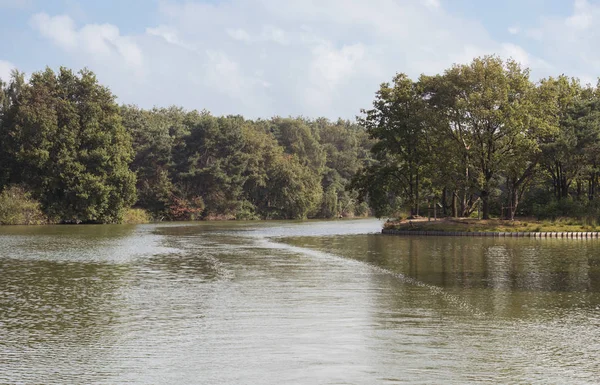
[[318, 302]]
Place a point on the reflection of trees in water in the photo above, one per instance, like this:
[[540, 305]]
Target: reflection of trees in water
[[500, 275], [55, 315], [45, 300]]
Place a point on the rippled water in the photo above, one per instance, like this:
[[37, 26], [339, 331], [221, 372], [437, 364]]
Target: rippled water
[[293, 302]]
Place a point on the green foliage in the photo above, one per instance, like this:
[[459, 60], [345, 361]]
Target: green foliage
[[70, 147], [397, 122], [18, 208], [87, 160], [244, 169], [479, 135], [483, 135], [136, 216]]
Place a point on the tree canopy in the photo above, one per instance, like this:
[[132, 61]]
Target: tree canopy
[[483, 135], [478, 136]]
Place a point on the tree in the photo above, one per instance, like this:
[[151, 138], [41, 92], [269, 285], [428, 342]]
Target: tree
[[72, 147], [541, 123], [398, 121], [486, 110], [213, 163], [9, 94], [564, 151]]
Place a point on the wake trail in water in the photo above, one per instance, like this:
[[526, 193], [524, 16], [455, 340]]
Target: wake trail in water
[[433, 290], [525, 338]]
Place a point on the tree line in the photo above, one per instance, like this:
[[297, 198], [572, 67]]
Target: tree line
[[484, 136], [67, 144], [479, 136]]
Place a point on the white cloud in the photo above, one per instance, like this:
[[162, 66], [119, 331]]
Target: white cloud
[[269, 33], [259, 58], [570, 42], [6, 69], [514, 30], [239, 34], [170, 35], [60, 29], [98, 41], [581, 17], [527, 60], [328, 68], [434, 4]]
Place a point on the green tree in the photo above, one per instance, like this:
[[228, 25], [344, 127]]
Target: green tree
[[398, 121], [564, 152], [72, 147], [485, 106], [213, 163]]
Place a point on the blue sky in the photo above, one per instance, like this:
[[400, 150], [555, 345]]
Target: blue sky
[[262, 58]]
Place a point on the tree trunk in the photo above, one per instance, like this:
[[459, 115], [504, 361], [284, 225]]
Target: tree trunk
[[454, 204], [514, 202], [417, 194], [444, 202], [485, 195]]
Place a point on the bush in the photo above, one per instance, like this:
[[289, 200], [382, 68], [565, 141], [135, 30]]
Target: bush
[[18, 208], [564, 208], [136, 216], [183, 209], [246, 212], [361, 210]]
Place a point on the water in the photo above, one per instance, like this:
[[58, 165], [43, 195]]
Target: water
[[294, 303]]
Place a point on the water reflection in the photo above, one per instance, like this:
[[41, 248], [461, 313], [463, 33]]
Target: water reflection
[[293, 302]]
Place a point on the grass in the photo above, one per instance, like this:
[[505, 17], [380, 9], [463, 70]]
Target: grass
[[495, 225]]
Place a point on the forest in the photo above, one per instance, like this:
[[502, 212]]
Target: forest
[[483, 137], [70, 154], [479, 137]]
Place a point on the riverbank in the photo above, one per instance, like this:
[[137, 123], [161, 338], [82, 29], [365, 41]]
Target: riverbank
[[489, 227]]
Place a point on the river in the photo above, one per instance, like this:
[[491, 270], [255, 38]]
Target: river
[[313, 302]]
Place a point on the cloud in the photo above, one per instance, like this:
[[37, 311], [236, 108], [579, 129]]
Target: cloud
[[170, 35], [570, 42], [434, 4], [581, 17], [6, 69], [269, 33], [514, 30], [259, 58], [102, 42], [239, 34]]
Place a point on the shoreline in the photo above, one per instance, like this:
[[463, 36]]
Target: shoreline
[[496, 234], [211, 220]]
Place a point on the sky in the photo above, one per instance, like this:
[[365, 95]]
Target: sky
[[312, 58]]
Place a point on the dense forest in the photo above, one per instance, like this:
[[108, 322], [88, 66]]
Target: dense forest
[[480, 136], [70, 154], [484, 136]]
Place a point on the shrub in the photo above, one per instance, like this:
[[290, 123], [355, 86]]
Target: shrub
[[361, 210], [18, 208], [183, 209], [565, 208], [136, 216]]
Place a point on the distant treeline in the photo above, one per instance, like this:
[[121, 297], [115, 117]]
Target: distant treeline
[[483, 136], [480, 136], [70, 152]]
